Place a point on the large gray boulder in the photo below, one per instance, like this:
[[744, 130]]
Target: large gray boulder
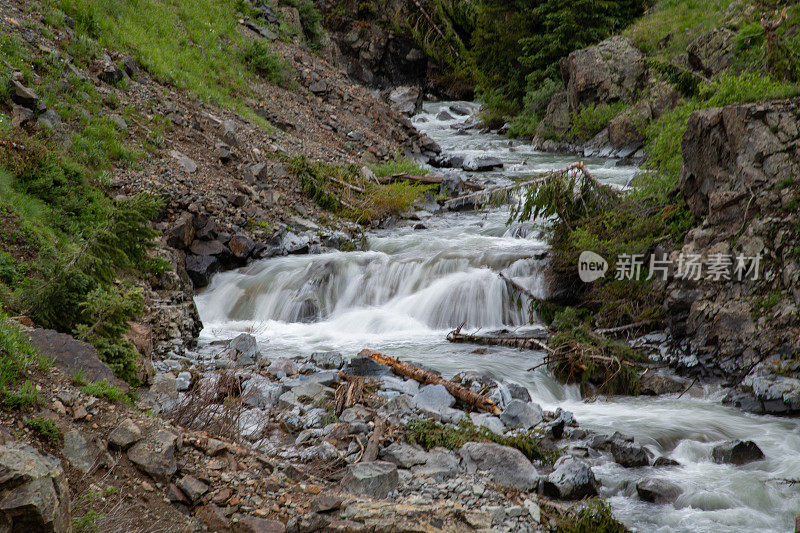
[[629, 455], [376, 479], [507, 466], [434, 398], [572, 479], [34, 495], [611, 71], [125, 435], [242, 348], [520, 414], [406, 100]]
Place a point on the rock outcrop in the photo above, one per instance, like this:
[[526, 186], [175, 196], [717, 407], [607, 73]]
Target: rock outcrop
[[740, 180]]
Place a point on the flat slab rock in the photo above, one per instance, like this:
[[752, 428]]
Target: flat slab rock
[[507, 466], [376, 479], [155, 455]]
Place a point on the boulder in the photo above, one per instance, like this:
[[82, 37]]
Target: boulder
[[657, 490], [34, 494], [49, 119], [186, 162], [331, 360], [73, 355], [181, 234], [490, 422], [572, 479], [366, 367], [444, 115], [629, 455], [251, 524], [282, 367], [556, 117], [406, 100], [713, 52], [507, 466], [242, 348], [241, 246], [376, 479], [610, 71], [192, 487], [201, 267], [80, 452], [460, 109], [404, 455], [155, 455], [22, 95], [440, 465], [125, 435], [434, 398], [520, 414], [481, 164], [737, 452]]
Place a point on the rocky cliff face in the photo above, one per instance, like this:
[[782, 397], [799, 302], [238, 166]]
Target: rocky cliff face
[[741, 179]]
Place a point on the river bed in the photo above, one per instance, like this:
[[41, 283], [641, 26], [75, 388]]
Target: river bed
[[412, 286]]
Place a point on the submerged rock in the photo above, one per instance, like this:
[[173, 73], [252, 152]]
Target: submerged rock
[[737, 452], [657, 490]]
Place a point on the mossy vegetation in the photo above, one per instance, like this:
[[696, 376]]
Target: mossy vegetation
[[430, 434], [45, 429], [342, 189]]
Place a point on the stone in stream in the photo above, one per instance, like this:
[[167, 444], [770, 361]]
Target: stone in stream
[[34, 494], [481, 164], [507, 466], [242, 348], [376, 479], [657, 490], [629, 455], [444, 115], [460, 109], [572, 479], [520, 414], [737, 452]]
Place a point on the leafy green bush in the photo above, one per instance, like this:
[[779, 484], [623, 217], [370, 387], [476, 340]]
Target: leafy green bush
[[589, 120], [259, 58], [310, 20], [46, 428]]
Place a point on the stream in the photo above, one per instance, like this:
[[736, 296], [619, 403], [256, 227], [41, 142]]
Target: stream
[[412, 286]]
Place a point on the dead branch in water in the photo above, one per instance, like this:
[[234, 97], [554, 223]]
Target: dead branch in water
[[428, 180], [423, 376], [528, 343]]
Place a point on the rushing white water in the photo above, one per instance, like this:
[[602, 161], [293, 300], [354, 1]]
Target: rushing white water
[[411, 287]]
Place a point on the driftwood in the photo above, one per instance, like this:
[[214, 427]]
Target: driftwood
[[527, 343], [371, 452], [626, 327], [423, 376], [429, 180]]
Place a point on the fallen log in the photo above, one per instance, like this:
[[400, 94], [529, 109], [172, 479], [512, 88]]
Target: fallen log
[[403, 368], [429, 180], [527, 343], [373, 444]]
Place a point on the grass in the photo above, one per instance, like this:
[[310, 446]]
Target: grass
[[430, 434], [18, 357], [399, 166], [105, 390], [46, 429], [589, 120], [261, 60], [589, 516]]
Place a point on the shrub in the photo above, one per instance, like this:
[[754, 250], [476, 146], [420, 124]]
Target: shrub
[[262, 61], [46, 429], [534, 107], [310, 20], [589, 120], [399, 166]]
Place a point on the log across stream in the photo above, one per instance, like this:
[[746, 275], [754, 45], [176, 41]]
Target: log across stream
[[410, 288]]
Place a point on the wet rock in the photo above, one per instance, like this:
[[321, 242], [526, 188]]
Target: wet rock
[[460, 109], [406, 100], [376, 479], [712, 52], [657, 490], [481, 163], [200, 268], [507, 466], [295, 244], [665, 461], [451, 186], [182, 232], [327, 359], [125, 435], [444, 115], [155, 455], [192, 487], [366, 367], [241, 246], [34, 494], [243, 348], [629, 455], [519, 414], [737, 452], [572, 479], [518, 392], [655, 383]]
